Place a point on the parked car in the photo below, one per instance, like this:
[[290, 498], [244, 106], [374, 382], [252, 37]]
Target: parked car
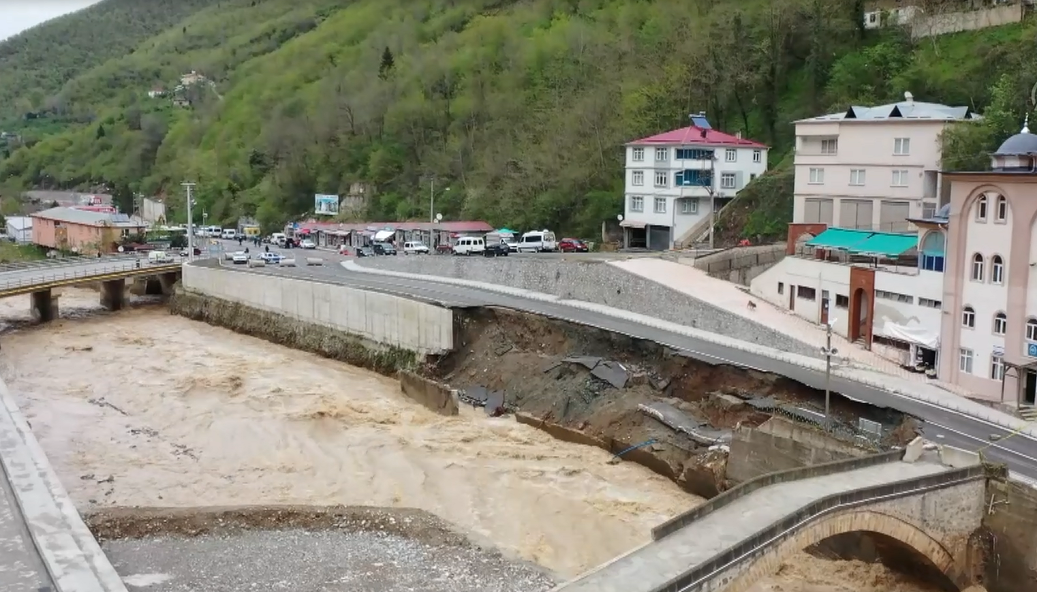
[[308, 244], [572, 245], [537, 241], [365, 252], [271, 258], [241, 257], [384, 249], [498, 249], [184, 253], [468, 245], [415, 248]]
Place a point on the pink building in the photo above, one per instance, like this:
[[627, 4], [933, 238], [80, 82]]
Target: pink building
[[83, 231]]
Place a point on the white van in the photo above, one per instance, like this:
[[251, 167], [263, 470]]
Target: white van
[[469, 245], [278, 238], [536, 241], [230, 234]]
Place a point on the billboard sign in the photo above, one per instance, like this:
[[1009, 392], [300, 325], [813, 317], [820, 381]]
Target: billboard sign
[[325, 205]]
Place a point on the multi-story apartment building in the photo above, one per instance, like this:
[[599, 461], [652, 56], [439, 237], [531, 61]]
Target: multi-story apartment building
[[990, 284], [675, 181], [871, 168]]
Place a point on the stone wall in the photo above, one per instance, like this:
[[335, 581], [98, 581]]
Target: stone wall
[[740, 265], [779, 444], [1012, 523], [597, 282]]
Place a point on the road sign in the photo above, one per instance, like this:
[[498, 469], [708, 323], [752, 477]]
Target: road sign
[[1031, 349]]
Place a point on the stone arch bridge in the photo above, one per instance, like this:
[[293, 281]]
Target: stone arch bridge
[[923, 508]]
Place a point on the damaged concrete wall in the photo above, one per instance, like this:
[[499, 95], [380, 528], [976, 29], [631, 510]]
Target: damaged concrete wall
[[430, 394], [1012, 522], [596, 281], [779, 444]]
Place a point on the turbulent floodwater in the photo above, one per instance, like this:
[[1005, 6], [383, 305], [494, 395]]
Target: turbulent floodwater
[[141, 408]]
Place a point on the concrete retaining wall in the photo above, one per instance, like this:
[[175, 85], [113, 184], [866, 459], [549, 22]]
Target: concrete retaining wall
[[595, 281], [741, 265], [779, 445], [1013, 524], [431, 394], [380, 318]]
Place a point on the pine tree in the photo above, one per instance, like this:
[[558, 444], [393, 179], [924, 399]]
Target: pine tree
[[388, 63]]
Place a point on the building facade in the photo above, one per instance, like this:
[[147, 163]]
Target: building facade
[[871, 168], [676, 181], [81, 231], [990, 284]]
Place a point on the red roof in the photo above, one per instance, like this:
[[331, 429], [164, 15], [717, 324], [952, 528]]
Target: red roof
[[693, 136], [470, 226]]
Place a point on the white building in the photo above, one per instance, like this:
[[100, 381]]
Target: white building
[[676, 180], [871, 167], [19, 229]]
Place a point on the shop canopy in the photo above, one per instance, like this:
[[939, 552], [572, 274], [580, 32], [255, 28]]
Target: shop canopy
[[505, 231], [864, 242]]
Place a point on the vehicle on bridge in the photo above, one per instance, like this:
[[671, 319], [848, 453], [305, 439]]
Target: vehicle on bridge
[[159, 257]]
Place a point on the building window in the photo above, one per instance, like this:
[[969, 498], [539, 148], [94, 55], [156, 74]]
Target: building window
[[757, 156], [637, 178], [662, 154], [968, 317], [752, 177], [977, 268], [781, 288], [928, 209], [981, 209], [689, 206], [637, 154], [829, 146], [930, 303], [883, 294], [817, 176], [997, 368], [694, 154], [1002, 210], [806, 293], [637, 203], [856, 176], [730, 155], [693, 178], [965, 360], [1000, 323], [660, 178], [660, 205], [900, 178], [842, 301], [727, 180], [997, 270], [1031, 330], [902, 146]]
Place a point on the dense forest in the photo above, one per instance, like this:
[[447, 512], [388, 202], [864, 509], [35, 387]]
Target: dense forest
[[520, 107]]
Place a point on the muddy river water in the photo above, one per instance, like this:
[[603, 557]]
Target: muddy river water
[[141, 408]]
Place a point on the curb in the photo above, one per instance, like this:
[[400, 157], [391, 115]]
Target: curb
[[950, 401], [69, 551]]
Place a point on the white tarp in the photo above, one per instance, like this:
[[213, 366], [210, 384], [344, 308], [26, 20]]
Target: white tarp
[[915, 335], [383, 235]]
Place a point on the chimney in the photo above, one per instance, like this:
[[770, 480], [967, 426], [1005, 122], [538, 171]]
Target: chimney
[[738, 134], [702, 132], [909, 98]]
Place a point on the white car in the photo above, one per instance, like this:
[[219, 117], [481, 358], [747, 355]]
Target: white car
[[415, 248], [240, 257], [271, 258], [308, 244]]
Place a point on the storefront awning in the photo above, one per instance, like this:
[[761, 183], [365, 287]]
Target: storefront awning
[[383, 235], [842, 239], [632, 224], [881, 244]]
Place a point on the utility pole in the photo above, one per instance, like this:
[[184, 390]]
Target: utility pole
[[432, 200], [190, 221], [712, 198], [828, 352]]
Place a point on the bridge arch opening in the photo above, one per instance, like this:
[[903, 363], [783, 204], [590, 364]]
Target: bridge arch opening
[[908, 548]]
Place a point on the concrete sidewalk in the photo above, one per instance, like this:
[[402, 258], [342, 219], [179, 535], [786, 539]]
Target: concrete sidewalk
[[730, 297]]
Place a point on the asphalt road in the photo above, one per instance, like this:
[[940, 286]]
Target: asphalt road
[[1018, 452]]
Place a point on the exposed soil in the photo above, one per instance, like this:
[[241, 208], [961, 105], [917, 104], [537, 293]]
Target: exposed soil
[[521, 354]]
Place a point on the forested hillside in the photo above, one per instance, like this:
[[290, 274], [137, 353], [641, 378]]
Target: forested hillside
[[35, 64], [520, 107]]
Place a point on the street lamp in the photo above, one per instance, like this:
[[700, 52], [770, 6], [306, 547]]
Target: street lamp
[[190, 221], [828, 351], [432, 200]]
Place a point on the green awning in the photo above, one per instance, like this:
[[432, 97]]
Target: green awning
[[881, 244], [839, 238], [505, 231]]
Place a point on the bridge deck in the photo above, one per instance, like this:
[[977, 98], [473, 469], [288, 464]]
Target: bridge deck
[[30, 277], [656, 563]]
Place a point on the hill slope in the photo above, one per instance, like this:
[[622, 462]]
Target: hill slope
[[520, 107], [35, 64]]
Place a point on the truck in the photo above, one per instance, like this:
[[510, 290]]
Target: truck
[[499, 238]]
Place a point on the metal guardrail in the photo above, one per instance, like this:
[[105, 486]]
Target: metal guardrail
[[791, 523], [61, 262], [88, 269]]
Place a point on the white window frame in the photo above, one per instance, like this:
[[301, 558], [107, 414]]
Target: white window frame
[[637, 178], [830, 146], [1000, 323], [857, 177], [1001, 210], [965, 357], [968, 317], [730, 155], [661, 179], [637, 155], [637, 203], [817, 176], [757, 155], [1031, 329], [902, 146], [981, 209], [662, 154], [978, 267], [689, 206], [997, 270], [728, 180], [659, 205], [899, 178], [997, 368]]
